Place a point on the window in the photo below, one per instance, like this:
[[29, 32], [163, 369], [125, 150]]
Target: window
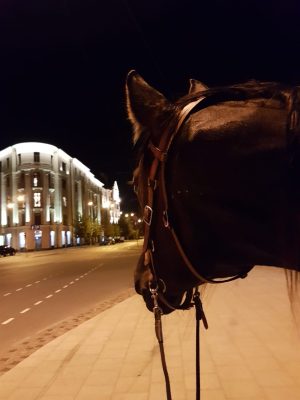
[[64, 200], [21, 183], [22, 218], [63, 183], [37, 219], [19, 159], [36, 180], [36, 156], [65, 219], [7, 162], [63, 165], [36, 199], [50, 181]]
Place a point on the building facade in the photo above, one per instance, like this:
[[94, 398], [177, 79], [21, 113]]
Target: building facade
[[44, 193]]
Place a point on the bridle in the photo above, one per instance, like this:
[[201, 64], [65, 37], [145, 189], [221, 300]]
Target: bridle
[[155, 178], [157, 286]]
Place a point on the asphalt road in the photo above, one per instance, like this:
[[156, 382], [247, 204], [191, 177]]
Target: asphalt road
[[43, 294]]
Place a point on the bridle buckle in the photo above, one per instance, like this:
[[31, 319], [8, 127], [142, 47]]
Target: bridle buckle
[[148, 212]]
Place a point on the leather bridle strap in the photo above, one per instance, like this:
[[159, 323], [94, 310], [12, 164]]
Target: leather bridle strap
[[160, 154]]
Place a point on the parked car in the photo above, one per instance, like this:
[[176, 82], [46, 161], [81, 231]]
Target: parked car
[[119, 239], [7, 251], [107, 240]]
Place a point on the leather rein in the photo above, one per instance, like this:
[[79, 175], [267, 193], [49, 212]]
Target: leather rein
[[156, 286]]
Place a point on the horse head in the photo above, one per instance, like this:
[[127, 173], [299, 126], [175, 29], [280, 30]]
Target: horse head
[[217, 179]]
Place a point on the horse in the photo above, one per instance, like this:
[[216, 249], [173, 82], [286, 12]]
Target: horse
[[217, 179]]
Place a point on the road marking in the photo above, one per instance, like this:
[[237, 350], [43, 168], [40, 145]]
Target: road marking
[[38, 302], [71, 283], [29, 284], [24, 311], [17, 290], [37, 281], [7, 321], [65, 286], [6, 294], [58, 290], [49, 295]]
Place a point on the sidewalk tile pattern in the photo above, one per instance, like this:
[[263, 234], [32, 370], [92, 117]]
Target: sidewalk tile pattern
[[250, 351]]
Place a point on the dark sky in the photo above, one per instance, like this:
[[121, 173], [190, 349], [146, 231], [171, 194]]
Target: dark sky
[[63, 65]]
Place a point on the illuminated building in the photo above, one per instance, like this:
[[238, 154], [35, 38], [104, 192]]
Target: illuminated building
[[44, 192]]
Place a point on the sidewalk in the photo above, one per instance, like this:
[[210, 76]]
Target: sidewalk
[[250, 351]]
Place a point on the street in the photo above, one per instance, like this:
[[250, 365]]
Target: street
[[44, 294]]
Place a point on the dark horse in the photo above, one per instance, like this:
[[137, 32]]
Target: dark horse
[[218, 177]]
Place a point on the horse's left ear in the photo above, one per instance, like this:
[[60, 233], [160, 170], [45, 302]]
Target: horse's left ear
[[196, 86], [144, 103]]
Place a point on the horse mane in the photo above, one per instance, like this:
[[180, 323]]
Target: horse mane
[[242, 91]]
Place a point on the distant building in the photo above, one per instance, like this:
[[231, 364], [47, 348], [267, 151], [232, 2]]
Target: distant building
[[44, 193]]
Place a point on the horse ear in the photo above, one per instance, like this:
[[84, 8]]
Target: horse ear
[[196, 86], [144, 103]]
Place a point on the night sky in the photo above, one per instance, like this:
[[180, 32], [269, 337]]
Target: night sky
[[64, 63]]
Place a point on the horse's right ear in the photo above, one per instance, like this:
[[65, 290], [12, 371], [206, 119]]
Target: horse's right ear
[[196, 86], [144, 103]]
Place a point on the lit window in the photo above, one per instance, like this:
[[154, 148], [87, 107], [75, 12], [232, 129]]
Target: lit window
[[64, 199], [36, 179], [36, 199]]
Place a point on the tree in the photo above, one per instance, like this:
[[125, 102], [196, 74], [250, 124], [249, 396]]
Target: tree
[[87, 229], [127, 227], [107, 227]]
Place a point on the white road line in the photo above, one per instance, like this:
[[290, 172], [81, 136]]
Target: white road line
[[24, 311], [29, 284], [65, 286], [77, 279], [7, 321], [6, 294], [38, 302], [49, 295], [17, 290], [37, 281], [58, 290], [71, 283]]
